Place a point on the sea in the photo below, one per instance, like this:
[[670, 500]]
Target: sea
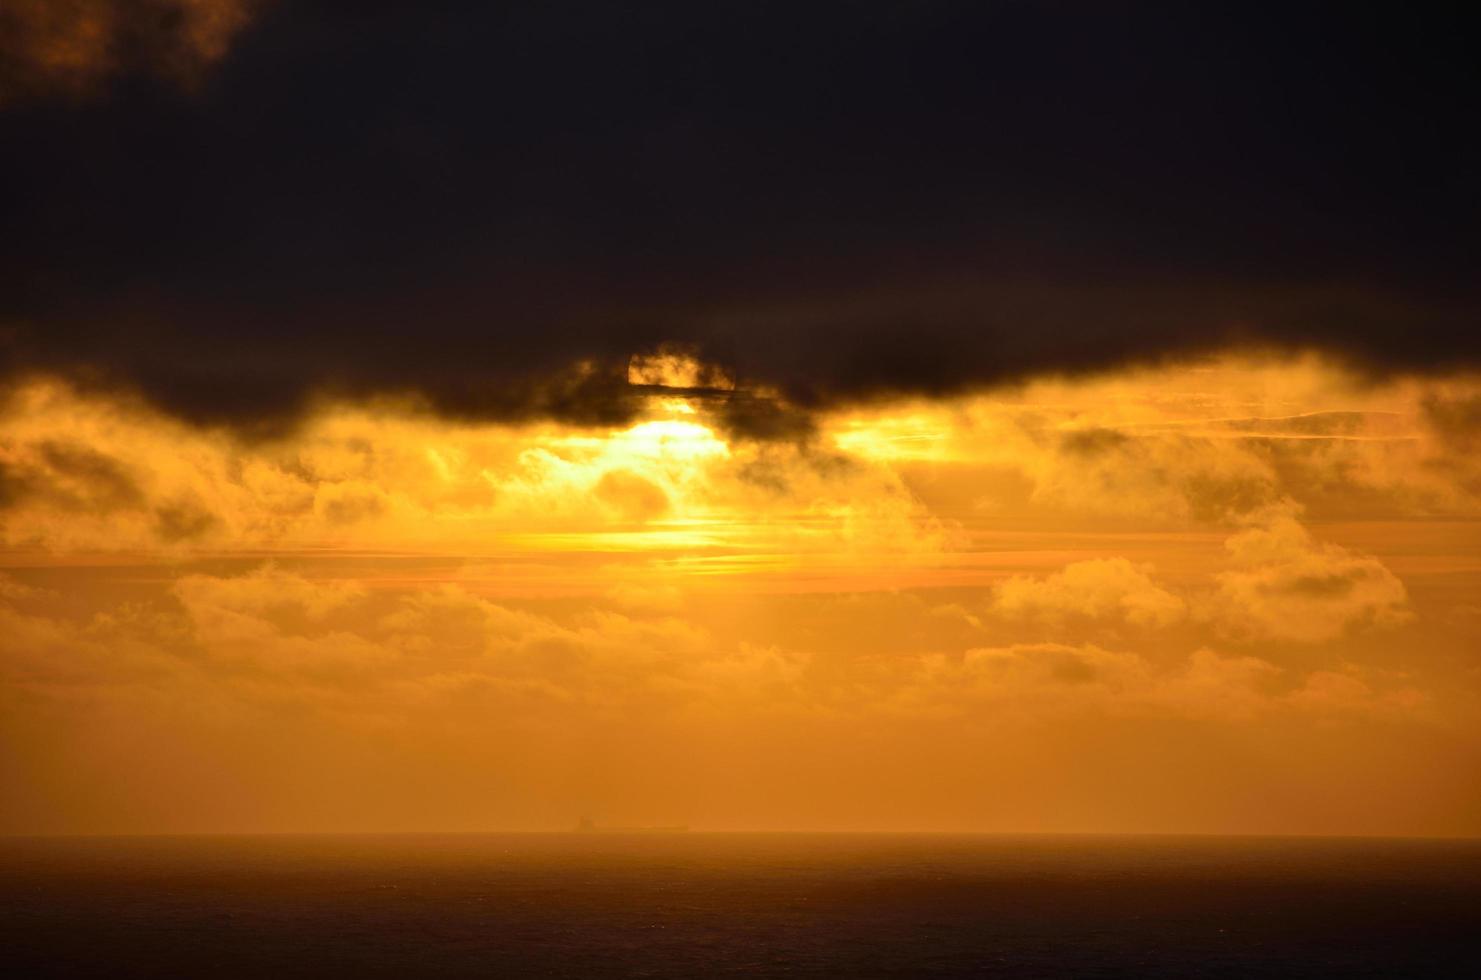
[[739, 905]]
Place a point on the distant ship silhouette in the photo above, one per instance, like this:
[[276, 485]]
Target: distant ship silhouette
[[586, 825]]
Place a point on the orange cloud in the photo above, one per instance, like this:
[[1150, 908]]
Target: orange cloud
[[1288, 586], [977, 609], [1094, 589]]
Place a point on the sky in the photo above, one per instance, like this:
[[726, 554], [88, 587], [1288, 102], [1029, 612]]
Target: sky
[[1021, 416]]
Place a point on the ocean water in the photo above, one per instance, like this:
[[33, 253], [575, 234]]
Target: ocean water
[[725, 905]]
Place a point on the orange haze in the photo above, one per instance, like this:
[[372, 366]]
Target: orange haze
[[1241, 595]]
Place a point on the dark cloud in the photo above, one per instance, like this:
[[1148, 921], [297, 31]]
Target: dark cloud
[[762, 417], [70, 477], [493, 206], [1456, 421], [1335, 586], [71, 48], [183, 521], [1093, 442]]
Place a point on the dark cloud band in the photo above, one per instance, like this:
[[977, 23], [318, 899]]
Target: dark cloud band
[[495, 205]]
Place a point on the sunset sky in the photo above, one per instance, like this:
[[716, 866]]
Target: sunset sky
[[937, 416]]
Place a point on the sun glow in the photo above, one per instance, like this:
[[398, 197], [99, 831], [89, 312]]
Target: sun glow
[[1085, 568]]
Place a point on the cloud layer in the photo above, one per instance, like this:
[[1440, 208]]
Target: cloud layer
[[434, 707], [1229, 596]]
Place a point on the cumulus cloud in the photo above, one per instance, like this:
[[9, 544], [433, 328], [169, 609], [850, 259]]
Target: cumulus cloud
[[1455, 418], [1287, 585], [69, 476], [1210, 442], [267, 591], [1094, 589], [1284, 584], [1004, 687], [300, 700], [275, 636], [1171, 448], [12, 590], [82, 472]]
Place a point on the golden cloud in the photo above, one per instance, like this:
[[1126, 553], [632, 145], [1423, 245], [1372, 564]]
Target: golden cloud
[[1288, 586], [1062, 579], [1097, 588]]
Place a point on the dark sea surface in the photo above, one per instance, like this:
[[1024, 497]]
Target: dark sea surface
[[719, 905]]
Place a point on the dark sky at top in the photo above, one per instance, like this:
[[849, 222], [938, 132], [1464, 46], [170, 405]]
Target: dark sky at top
[[840, 200]]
